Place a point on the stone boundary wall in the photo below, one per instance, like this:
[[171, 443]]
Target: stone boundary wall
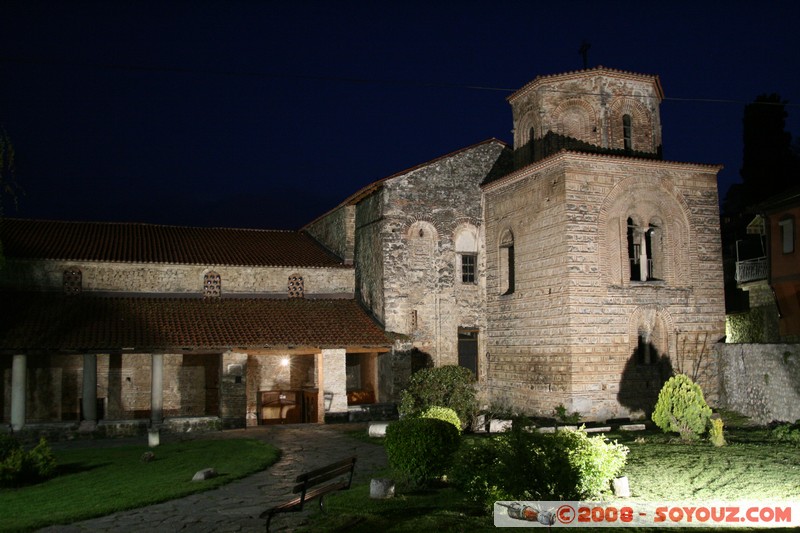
[[761, 381]]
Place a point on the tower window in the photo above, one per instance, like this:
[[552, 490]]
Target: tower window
[[507, 273], [644, 252], [626, 132]]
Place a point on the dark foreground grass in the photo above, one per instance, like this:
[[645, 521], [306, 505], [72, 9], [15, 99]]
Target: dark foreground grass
[[659, 468], [94, 482]]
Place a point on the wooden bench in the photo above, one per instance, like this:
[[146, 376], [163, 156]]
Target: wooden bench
[[315, 484]]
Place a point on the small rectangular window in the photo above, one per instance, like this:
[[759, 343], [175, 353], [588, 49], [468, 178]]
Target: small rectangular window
[[468, 268], [787, 235]]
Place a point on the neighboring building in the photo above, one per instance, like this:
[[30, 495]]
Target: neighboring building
[[576, 268], [136, 321], [772, 279]]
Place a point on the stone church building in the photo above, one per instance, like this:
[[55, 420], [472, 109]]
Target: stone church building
[[576, 268]]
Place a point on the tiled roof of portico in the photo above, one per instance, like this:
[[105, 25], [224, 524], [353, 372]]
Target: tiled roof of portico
[[52, 322], [153, 243]]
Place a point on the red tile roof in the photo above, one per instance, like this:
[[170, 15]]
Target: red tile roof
[[150, 243], [52, 322]]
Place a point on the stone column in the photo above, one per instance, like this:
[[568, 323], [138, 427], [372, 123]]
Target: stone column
[[320, 365], [643, 266], [89, 402], [335, 384], [18, 391], [157, 389]]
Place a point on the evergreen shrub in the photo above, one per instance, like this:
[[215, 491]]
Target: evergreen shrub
[[442, 413], [19, 466], [681, 408], [526, 465], [787, 432], [716, 433], [420, 450], [444, 386]]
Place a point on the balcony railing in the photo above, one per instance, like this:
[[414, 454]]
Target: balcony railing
[[751, 270]]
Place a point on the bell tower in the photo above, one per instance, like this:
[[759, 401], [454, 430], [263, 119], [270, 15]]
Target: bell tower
[[594, 110]]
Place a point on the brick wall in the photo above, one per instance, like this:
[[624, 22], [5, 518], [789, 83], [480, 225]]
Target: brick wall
[[569, 333]]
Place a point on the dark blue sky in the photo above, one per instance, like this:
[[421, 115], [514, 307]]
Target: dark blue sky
[[267, 114]]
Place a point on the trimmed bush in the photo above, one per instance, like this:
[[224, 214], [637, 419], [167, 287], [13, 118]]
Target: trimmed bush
[[420, 450], [445, 386], [477, 472], [787, 432], [681, 408], [524, 465], [442, 413], [715, 433], [21, 467]]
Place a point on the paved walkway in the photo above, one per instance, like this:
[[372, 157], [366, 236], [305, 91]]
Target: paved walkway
[[235, 507]]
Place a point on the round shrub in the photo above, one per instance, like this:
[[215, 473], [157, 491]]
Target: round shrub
[[420, 450], [681, 408], [525, 465], [445, 386], [21, 467], [444, 414], [477, 472]]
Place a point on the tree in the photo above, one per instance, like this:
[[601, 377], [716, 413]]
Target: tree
[[769, 163]]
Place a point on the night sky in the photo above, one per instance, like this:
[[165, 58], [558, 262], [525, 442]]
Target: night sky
[[267, 114]]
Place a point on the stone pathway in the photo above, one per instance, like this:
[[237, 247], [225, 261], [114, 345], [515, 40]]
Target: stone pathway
[[235, 507]]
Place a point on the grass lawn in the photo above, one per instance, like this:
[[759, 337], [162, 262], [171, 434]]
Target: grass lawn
[[750, 467], [98, 481]]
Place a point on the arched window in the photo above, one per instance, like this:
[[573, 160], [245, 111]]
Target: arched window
[[645, 253], [507, 270], [532, 144], [626, 132], [467, 254], [212, 285]]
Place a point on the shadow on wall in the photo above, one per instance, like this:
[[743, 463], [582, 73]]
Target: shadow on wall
[[645, 373], [420, 360]]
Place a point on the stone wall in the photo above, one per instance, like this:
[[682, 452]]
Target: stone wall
[[529, 361], [576, 327], [369, 253], [336, 231], [423, 211], [167, 278], [761, 381], [335, 380]]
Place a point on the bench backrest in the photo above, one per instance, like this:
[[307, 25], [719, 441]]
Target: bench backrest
[[326, 473]]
